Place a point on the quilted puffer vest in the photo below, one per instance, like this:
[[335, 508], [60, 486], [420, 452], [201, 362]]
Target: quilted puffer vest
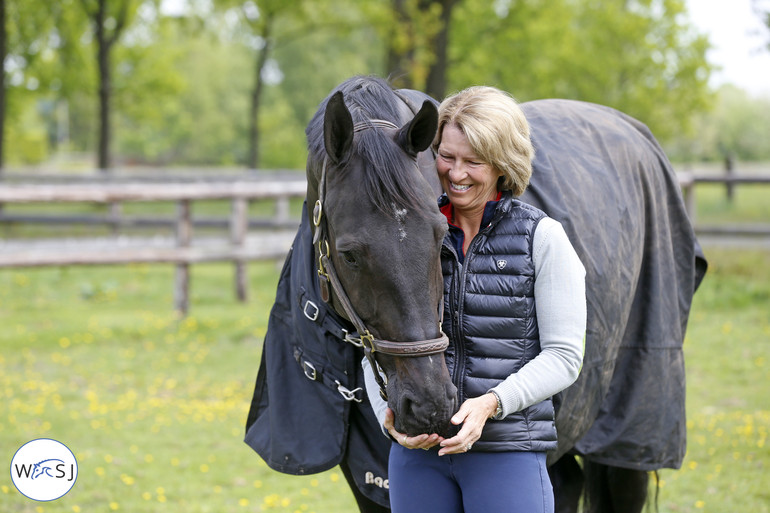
[[489, 317]]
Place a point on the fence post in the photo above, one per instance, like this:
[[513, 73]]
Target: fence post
[[729, 171], [183, 238], [687, 181], [238, 226], [116, 214], [282, 209]]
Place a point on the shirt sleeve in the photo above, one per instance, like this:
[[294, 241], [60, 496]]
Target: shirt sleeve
[[560, 302], [375, 399]]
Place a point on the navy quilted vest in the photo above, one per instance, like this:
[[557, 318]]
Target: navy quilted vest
[[489, 317]]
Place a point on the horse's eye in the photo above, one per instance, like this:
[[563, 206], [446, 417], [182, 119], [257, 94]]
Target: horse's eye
[[350, 258]]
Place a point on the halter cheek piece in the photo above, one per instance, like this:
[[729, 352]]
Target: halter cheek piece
[[327, 276]]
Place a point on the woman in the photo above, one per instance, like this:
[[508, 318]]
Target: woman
[[514, 312]]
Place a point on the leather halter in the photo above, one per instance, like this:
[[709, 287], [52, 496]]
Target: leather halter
[[327, 275]]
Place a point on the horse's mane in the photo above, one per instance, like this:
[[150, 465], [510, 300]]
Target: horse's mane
[[386, 179]]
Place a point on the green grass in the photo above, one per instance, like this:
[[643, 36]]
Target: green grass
[[153, 406], [728, 405]]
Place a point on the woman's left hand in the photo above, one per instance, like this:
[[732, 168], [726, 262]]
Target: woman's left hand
[[473, 414]]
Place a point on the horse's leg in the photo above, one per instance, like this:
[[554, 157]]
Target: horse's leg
[[567, 480], [615, 489], [628, 489], [365, 504]]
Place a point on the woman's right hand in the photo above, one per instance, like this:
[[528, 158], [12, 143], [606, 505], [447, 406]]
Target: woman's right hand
[[423, 441]]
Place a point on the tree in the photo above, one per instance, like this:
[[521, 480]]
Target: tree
[[108, 18], [25, 36], [416, 35], [637, 56]]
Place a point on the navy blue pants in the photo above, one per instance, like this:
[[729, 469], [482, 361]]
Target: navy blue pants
[[474, 482]]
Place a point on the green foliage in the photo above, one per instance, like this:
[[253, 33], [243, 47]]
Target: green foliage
[[738, 125], [638, 57], [183, 84]]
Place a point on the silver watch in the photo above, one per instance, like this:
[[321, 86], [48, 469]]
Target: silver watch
[[499, 411]]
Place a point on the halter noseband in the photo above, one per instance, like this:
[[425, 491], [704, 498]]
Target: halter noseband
[[327, 275]]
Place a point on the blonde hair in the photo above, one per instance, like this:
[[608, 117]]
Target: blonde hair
[[496, 129]]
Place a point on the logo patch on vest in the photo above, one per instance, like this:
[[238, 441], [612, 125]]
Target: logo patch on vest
[[501, 264]]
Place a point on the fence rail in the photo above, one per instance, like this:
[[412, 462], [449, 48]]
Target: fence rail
[[183, 250], [271, 239]]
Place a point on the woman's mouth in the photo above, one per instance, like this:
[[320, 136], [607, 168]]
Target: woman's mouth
[[459, 188]]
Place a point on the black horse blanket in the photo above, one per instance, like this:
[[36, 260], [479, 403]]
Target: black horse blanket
[[603, 175], [605, 178], [310, 411]]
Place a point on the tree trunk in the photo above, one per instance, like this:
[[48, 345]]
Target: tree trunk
[[398, 60], [3, 51], [256, 93], [105, 86], [436, 84]]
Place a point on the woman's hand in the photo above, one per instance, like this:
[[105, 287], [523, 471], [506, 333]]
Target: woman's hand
[[423, 441], [473, 414]]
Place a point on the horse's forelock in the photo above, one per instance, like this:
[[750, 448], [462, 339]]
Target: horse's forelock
[[387, 178]]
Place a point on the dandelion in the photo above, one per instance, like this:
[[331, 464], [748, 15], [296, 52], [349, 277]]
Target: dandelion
[[108, 458], [314, 482], [76, 508], [204, 468], [692, 465], [146, 496], [257, 484], [243, 502], [114, 506], [149, 458], [334, 477], [64, 342], [100, 471], [699, 504]]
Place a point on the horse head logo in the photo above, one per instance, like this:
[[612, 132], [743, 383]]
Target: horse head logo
[[40, 468]]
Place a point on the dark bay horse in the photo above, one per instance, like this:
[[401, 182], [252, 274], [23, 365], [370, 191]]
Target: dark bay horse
[[365, 262]]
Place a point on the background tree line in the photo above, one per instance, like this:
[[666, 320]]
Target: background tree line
[[234, 82]]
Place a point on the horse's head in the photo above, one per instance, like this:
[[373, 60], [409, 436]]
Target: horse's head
[[377, 219]]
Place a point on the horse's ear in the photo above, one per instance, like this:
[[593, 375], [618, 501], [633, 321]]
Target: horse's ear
[[418, 134], [338, 128]]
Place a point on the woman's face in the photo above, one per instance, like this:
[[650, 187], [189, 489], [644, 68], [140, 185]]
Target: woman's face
[[468, 181]]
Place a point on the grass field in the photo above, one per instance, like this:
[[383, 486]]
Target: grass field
[[153, 406]]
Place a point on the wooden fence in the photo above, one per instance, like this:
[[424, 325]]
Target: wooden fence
[[271, 240], [688, 182], [183, 251]]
